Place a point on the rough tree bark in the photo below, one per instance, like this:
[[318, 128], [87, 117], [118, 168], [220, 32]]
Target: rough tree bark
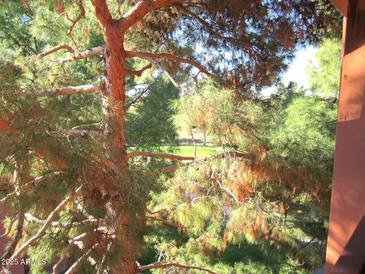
[[113, 96], [115, 93]]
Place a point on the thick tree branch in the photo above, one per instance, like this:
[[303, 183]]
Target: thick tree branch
[[74, 54], [139, 72], [55, 49], [34, 220], [72, 90], [166, 55], [43, 229], [78, 55], [175, 265], [171, 157], [141, 9], [102, 12]]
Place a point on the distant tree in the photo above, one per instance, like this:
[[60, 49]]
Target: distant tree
[[63, 109], [210, 109], [324, 69], [149, 117]]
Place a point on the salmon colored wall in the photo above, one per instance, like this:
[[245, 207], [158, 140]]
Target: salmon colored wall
[[348, 189]]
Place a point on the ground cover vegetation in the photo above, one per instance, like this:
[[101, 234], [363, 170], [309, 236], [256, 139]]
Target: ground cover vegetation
[[92, 95]]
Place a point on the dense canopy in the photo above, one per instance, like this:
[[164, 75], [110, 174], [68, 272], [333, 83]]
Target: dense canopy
[[85, 96]]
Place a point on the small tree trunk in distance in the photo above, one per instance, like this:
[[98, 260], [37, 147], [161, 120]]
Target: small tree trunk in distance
[[204, 137], [194, 143]]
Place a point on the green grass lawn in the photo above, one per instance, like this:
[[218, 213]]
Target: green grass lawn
[[201, 151]]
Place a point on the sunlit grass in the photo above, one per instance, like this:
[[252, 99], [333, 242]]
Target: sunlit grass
[[201, 151]]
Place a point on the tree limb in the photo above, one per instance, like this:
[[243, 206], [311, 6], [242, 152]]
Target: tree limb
[[78, 239], [228, 191], [232, 154], [77, 55], [76, 264], [176, 265], [171, 157], [102, 12], [166, 55], [83, 133], [139, 96], [78, 18], [141, 9], [143, 92], [139, 72], [55, 49], [169, 76], [74, 54], [72, 90], [103, 259], [18, 235], [43, 229], [57, 265], [34, 220]]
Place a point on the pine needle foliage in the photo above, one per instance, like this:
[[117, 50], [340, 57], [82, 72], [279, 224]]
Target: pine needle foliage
[[65, 177]]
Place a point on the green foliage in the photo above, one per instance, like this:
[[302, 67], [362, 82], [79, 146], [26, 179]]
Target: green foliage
[[210, 109], [275, 203], [324, 70], [306, 128], [149, 119]]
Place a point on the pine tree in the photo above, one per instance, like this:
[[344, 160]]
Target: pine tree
[[79, 202]]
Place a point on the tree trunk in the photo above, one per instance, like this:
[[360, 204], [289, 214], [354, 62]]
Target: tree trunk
[[121, 222], [115, 93], [204, 137]]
